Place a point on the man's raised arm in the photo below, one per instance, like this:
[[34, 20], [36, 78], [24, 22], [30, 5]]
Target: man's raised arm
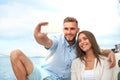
[[40, 37]]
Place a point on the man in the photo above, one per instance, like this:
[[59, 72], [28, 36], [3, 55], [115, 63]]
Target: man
[[62, 49]]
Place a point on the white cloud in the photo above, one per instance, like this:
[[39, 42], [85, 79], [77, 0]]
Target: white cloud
[[19, 18]]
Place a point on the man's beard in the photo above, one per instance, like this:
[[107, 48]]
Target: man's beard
[[73, 40]]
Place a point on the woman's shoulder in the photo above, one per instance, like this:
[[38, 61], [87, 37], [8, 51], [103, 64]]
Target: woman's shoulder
[[104, 60], [76, 60], [103, 57]]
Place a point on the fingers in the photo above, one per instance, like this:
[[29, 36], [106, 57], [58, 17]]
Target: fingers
[[42, 23], [112, 60], [112, 64], [38, 28]]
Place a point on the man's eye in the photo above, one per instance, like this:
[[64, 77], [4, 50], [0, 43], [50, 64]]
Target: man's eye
[[69, 28], [72, 28], [65, 28]]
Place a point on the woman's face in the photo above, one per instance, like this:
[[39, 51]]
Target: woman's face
[[84, 42]]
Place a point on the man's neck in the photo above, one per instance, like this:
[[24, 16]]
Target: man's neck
[[71, 43]]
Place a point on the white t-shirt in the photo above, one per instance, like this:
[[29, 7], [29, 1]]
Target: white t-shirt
[[89, 75]]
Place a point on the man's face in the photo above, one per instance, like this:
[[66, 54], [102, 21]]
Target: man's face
[[70, 31]]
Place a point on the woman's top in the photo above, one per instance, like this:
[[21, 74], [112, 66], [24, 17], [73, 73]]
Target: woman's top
[[89, 75], [101, 71]]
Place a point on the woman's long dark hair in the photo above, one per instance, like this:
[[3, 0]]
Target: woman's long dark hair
[[96, 50]]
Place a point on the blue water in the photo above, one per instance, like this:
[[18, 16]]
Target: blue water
[[6, 72]]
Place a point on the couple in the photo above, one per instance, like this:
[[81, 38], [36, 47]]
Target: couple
[[63, 51]]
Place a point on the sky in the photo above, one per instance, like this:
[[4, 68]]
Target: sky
[[18, 19]]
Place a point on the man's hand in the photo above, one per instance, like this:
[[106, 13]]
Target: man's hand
[[111, 58], [40, 37], [38, 28]]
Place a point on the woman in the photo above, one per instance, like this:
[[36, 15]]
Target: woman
[[89, 64]]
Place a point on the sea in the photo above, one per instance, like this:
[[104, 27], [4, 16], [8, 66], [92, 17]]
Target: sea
[[6, 71]]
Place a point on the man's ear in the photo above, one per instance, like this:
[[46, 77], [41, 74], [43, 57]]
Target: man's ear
[[78, 29]]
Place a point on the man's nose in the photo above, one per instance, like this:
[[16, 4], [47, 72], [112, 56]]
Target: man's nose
[[69, 30]]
